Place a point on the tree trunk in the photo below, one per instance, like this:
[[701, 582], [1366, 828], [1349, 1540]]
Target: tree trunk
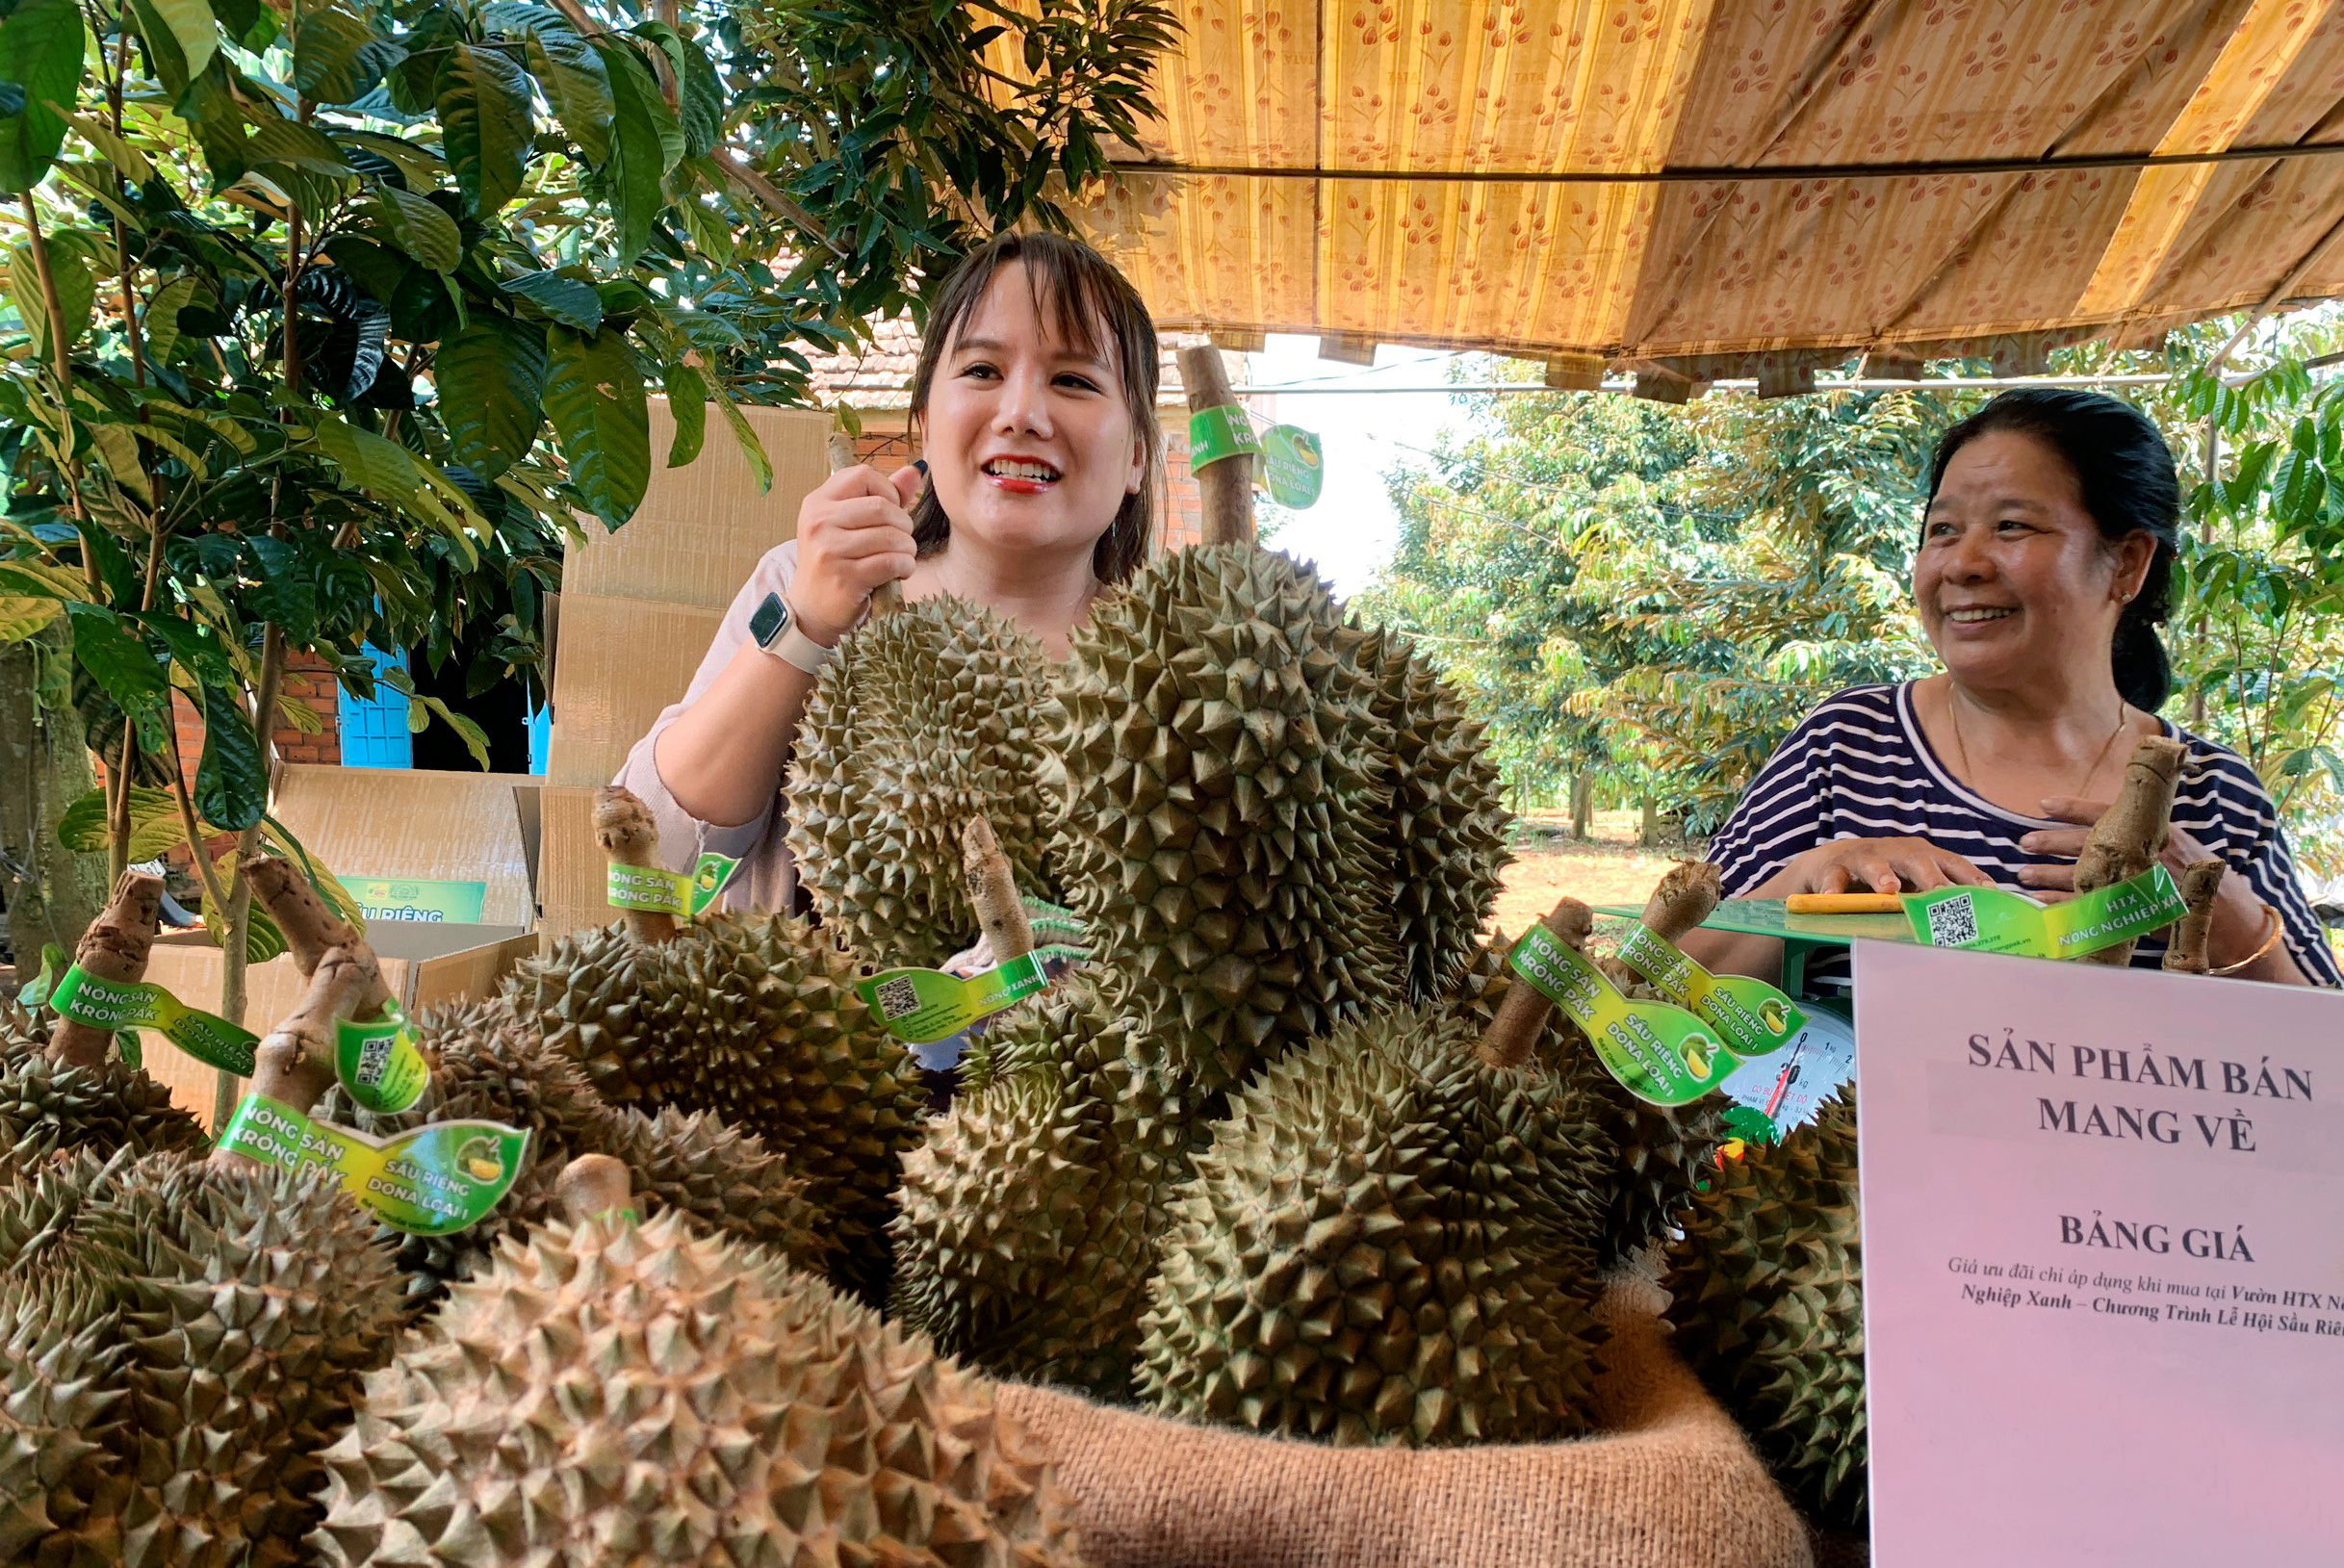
[[52, 892], [1649, 834], [1582, 803]]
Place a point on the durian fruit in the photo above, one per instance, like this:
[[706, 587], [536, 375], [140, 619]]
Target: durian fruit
[[925, 719], [754, 1018], [1223, 781], [1664, 1152], [212, 1324], [48, 1106], [614, 1392], [1029, 1211], [489, 1063], [1767, 1293], [59, 1087], [1444, 831], [1392, 1239]]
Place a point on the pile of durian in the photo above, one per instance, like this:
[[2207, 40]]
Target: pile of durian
[[1287, 1151]]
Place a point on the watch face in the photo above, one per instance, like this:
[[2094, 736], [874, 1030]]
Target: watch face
[[771, 618]]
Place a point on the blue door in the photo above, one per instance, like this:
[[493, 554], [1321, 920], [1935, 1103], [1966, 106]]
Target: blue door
[[374, 734]]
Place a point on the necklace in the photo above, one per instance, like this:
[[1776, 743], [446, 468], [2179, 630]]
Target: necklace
[[1953, 716]]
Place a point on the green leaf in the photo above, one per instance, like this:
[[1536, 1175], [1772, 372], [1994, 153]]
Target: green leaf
[[193, 28], [155, 824], [750, 445], [117, 660], [338, 57], [162, 317], [76, 292], [201, 656], [491, 377], [112, 562], [421, 166], [393, 475], [700, 111], [232, 780], [484, 121], [20, 617], [476, 739], [117, 448], [638, 159], [133, 165], [687, 400], [578, 85], [420, 228], [594, 395], [565, 299], [289, 144], [41, 50]]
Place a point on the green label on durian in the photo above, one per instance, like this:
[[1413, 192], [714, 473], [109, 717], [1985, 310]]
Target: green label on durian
[[683, 894], [922, 1006], [1660, 1052], [379, 1063], [1996, 920], [1216, 433], [111, 1004], [441, 1177], [1054, 919], [1751, 1017]]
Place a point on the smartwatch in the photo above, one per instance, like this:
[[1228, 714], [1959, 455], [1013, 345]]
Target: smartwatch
[[775, 631]]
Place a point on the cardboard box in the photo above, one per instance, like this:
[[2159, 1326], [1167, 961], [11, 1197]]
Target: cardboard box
[[574, 884], [400, 827], [702, 528], [623, 660]]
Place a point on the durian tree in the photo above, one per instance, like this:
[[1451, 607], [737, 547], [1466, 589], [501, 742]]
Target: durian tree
[[332, 316]]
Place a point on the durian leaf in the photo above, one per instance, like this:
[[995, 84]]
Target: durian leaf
[[594, 395], [639, 126], [491, 387], [484, 121], [118, 660], [418, 227], [41, 51], [155, 828], [687, 401], [262, 940], [76, 292], [575, 82], [20, 618], [564, 299], [193, 28], [163, 334], [338, 57], [752, 446], [232, 779]]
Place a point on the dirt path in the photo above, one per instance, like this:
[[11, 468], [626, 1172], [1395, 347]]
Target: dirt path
[[1607, 868]]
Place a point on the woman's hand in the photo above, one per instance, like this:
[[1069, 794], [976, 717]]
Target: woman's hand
[[853, 534], [1878, 865]]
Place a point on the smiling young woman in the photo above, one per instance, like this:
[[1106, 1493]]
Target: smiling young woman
[[1033, 401], [2043, 574]]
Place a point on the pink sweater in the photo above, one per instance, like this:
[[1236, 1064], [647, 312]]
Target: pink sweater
[[767, 878]]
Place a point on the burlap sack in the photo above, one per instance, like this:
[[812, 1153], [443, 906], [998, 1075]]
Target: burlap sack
[[1671, 1483]]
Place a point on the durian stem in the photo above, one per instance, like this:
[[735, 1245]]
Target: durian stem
[[115, 948], [593, 1184], [1226, 488], [2201, 883], [993, 888], [888, 597], [294, 1064], [310, 926], [1686, 896], [1514, 1034], [623, 825], [2129, 835]]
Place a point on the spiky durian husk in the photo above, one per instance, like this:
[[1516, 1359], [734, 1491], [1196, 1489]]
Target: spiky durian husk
[[234, 1311], [1222, 780], [1766, 1289], [1445, 835], [61, 1410], [48, 1108], [620, 1393], [1664, 1152], [755, 1019], [489, 1062], [924, 720], [1029, 1211], [1388, 1242]]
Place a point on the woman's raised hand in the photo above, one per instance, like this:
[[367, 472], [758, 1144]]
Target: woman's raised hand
[[1876, 865], [853, 534]]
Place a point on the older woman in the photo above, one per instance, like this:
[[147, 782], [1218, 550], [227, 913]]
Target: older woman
[[2041, 576]]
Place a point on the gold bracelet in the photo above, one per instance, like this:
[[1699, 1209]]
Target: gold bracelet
[[2268, 942]]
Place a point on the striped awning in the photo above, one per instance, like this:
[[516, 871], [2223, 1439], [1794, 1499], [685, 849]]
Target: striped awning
[[1712, 186]]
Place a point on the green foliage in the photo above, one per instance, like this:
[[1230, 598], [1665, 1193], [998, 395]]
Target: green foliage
[[1653, 595]]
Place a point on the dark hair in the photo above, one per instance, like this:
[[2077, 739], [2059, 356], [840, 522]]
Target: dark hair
[[2126, 473], [1081, 289]]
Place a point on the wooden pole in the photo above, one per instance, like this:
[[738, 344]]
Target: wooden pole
[[1227, 487]]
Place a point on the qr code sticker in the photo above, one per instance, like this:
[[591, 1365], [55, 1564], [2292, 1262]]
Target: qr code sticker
[[1953, 922], [898, 998], [372, 1057]]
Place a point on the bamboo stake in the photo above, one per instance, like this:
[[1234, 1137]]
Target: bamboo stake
[[1227, 487]]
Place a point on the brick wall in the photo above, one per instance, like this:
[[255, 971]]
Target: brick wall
[[308, 681]]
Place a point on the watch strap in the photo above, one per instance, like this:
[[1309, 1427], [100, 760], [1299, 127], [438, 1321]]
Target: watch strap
[[775, 630]]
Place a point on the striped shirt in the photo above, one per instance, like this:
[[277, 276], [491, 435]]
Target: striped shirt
[[1859, 767]]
